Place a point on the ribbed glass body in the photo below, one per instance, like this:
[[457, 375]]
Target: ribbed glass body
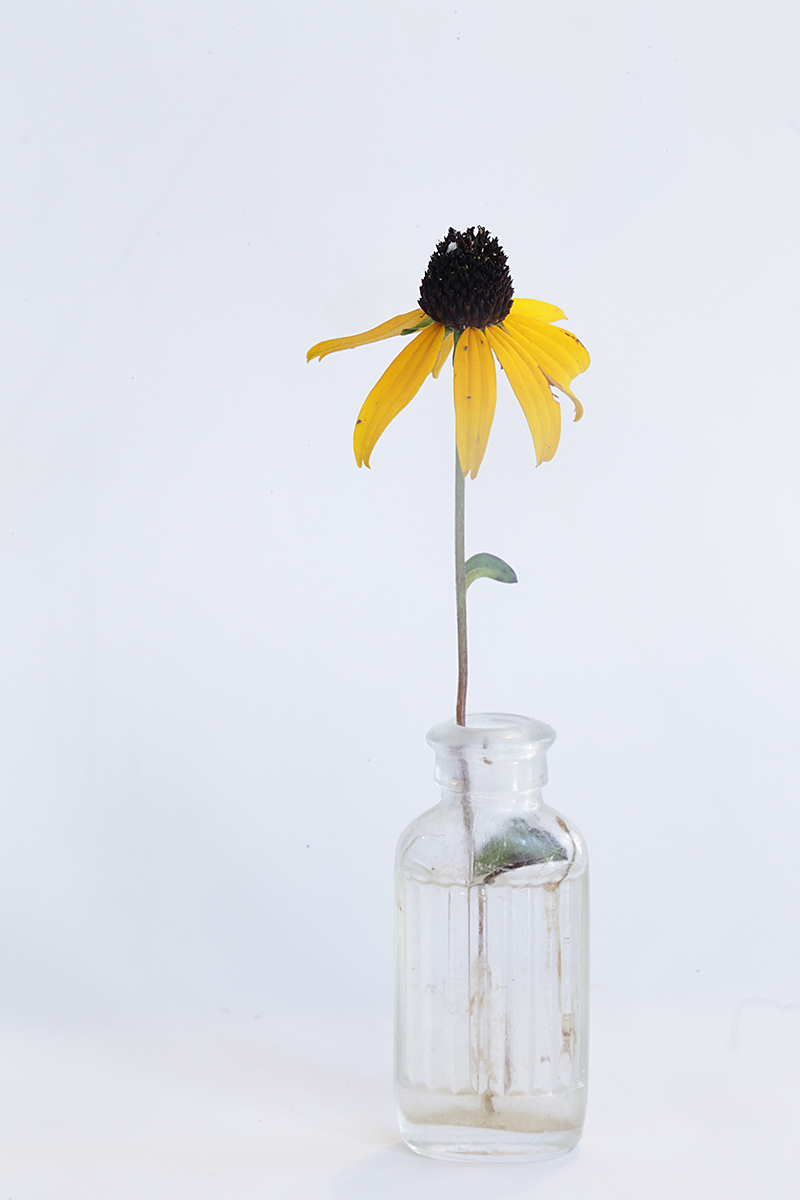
[[491, 954]]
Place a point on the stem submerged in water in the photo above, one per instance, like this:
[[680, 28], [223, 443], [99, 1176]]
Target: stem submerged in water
[[461, 599]]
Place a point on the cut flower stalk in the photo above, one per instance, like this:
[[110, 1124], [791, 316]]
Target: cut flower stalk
[[491, 885]]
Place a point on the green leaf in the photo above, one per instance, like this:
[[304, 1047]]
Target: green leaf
[[489, 566], [519, 845], [423, 324]]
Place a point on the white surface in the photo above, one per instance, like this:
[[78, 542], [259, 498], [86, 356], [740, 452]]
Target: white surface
[[691, 1101], [221, 644]]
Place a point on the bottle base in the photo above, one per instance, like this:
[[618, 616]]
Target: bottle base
[[490, 1128], [465, 1143]]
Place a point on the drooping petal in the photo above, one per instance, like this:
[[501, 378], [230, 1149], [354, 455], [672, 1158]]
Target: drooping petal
[[475, 387], [542, 412], [399, 384], [537, 309], [441, 357], [386, 330], [558, 352]]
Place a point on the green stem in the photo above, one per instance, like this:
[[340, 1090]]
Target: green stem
[[461, 599]]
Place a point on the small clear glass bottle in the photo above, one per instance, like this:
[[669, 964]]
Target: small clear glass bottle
[[491, 1006]]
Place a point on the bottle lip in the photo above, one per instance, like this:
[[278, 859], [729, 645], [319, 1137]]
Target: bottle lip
[[506, 735]]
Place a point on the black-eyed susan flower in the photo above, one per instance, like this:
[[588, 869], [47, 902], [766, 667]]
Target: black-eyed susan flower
[[466, 303]]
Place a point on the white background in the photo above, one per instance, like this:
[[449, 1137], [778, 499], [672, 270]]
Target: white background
[[223, 644]]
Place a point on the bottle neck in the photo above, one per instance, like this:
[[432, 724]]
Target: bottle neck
[[494, 758]]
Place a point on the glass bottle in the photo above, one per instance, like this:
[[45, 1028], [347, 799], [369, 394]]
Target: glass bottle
[[491, 1005]]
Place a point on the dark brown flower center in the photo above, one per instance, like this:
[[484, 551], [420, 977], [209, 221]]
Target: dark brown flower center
[[467, 284]]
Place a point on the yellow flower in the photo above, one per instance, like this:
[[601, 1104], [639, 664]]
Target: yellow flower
[[466, 304]]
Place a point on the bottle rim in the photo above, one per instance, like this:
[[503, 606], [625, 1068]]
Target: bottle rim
[[503, 735]]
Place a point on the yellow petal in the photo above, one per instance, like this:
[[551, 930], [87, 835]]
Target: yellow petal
[[537, 309], [560, 344], [475, 387], [399, 384], [386, 330], [441, 357], [558, 352], [542, 413]]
